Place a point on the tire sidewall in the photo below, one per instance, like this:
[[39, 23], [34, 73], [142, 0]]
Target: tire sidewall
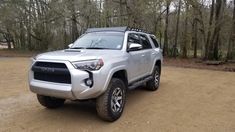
[[156, 69], [150, 85], [115, 84]]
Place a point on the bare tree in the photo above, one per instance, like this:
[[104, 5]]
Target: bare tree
[[186, 36], [165, 48], [209, 30], [231, 46], [215, 40], [177, 29]]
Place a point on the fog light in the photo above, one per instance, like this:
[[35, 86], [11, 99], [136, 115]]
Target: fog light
[[88, 82]]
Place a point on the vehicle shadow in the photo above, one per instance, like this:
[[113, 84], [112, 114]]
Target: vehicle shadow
[[85, 111]]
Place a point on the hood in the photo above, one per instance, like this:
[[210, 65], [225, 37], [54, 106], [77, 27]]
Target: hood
[[79, 54]]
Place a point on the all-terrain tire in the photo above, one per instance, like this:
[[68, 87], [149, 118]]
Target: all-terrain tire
[[50, 102], [153, 84], [106, 103]]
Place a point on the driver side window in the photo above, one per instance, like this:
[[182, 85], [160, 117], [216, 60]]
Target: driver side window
[[133, 38]]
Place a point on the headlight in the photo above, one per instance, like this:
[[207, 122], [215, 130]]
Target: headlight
[[89, 65]]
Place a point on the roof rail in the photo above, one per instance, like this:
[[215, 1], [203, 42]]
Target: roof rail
[[116, 29]]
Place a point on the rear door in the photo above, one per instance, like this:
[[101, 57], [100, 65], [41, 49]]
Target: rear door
[[147, 55]]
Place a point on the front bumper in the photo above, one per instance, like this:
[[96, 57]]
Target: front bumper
[[76, 90]]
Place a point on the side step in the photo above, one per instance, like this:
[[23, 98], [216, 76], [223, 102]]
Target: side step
[[139, 83]]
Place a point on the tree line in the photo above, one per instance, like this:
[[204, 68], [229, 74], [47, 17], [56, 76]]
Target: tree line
[[186, 28]]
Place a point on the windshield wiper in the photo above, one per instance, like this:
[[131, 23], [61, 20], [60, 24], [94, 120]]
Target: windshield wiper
[[77, 48], [88, 48]]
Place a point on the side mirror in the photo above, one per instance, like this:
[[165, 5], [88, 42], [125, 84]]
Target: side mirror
[[70, 45], [134, 47]]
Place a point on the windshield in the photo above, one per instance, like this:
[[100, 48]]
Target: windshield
[[100, 40]]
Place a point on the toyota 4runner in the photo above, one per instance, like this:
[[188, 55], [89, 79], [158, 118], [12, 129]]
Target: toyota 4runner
[[102, 64]]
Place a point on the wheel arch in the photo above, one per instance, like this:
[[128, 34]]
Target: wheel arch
[[121, 74]]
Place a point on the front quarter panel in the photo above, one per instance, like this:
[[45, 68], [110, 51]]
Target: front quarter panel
[[111, 66]]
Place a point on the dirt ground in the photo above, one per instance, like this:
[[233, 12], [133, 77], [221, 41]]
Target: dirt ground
[[188, 100], [199, 64]]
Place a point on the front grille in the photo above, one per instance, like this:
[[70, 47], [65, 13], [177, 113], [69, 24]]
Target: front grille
[[51, 72], [51, 65]]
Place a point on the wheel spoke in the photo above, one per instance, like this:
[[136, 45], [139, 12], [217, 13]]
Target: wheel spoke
[[115, 107], [117, 103], [118, 92], [116, 100], [119, 98]]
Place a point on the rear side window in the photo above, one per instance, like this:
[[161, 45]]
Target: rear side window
[[145, 42], [154, 41], [133, 38]]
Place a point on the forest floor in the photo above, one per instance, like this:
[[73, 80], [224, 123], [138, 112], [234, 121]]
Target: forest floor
[[187, 100], [199, 64]]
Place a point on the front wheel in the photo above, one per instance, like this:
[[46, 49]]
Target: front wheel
[[50, 102], [110, 105], [153, 84]]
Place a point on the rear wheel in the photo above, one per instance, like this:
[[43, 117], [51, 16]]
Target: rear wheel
[[50, 102], [110, 105], [153, 84]]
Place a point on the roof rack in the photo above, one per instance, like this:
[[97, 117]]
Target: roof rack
[[115, 29], [136, 29]]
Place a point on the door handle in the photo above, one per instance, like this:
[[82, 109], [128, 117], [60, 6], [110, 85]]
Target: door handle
[[143, 55], [153, 53]]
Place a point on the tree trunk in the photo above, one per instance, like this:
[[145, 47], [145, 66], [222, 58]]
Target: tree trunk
[[7, 37], [30, 47], [199, 26], [209, 30], [160, 28], [120, 13], [185, 43], [65, 34], [74, 23], [8, 41], [160, 33], [214, 44], [22, 36], [195, 32], [231, 46], [177, 30], [194, 37], [165, 48]]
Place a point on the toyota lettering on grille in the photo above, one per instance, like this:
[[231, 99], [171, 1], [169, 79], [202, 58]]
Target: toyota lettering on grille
[[46, 69]]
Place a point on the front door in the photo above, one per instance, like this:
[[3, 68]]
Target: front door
[[136, 59]]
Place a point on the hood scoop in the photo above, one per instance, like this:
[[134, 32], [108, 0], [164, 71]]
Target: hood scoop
[[72, 50]]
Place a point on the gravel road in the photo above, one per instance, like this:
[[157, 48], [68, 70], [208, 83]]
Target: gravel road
[[188, 100]]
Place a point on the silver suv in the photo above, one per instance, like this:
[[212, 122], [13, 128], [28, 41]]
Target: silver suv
[[102, 64]]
